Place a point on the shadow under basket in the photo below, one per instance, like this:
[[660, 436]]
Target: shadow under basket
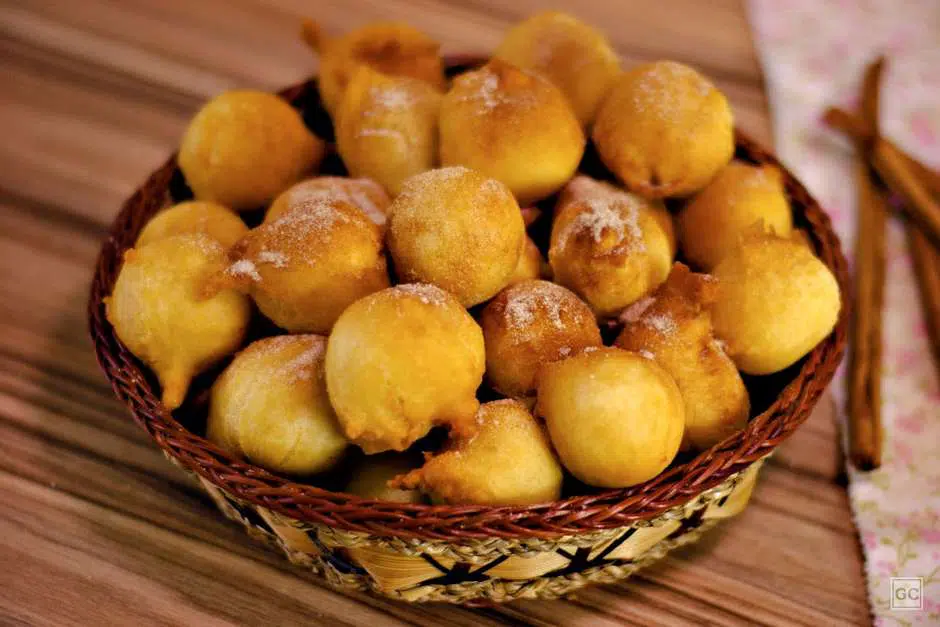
[[471, 554]]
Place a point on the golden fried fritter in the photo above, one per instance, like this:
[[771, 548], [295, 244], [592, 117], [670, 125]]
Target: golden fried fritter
[[160, 310], [209, 218], [457, 229], [507, 461], [362, 193], [304, 269], [736, 200], [392, 48], [271, 407], [609, 246], [244, 147], [400, 361], [776, 301], [615, 418], [528, 325], [386, 127], [513, 126], [371, 476], [664, 130], [574, 56], [673, 328]]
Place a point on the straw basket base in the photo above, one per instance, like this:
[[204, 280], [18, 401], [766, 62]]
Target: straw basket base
[[493, 570]]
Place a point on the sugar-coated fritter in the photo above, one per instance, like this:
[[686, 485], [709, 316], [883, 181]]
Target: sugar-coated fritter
[[244, 147], [305, 268], [362, 193], [609, 246], [457, 229], [673, 328], [528, 325], [615, 418], [776, 301], [371, 476], [401, 361], [739, 198], [574, 56], [392, 48], [195, 216], [271, 407], [386, 127], [511, 125], [508, 460], [159, 308], [664, 130]]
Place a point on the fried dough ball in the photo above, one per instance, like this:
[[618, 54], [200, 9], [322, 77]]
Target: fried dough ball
[[776, 301], [386, 127], [305, 268], [609, 246], [271, 407], [673, 328], [529, 265], [615, 418], [371, 477], [362, 193], [392, 48], [664, 130], [243, 147], [513, 126], [574, 56], [740, 197], [160, 310], [209, 218], [528, 325], [401, 361], [457, 229], [507, 461]]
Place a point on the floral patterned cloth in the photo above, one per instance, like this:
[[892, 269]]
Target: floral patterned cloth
[[813, 54]]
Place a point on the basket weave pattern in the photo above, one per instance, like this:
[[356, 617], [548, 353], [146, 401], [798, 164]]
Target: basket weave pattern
[[692, 495]]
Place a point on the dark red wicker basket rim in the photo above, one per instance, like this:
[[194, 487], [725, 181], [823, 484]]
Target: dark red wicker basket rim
[[574, 515]]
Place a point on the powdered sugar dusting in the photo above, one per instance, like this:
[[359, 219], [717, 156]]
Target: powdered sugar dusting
[[244, 268], [533, 299], [273, 257], [484, 92], [391, 97], [302, 367], [663, 323], [608, 215], [353, 191], [664, 88], [425, 292], [314, 219]]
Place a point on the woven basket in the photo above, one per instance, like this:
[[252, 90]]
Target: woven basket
[[468, 554]]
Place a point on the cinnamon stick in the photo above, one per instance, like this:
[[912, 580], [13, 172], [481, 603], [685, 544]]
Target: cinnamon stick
[[925, 256], [927, 270], [854, 127], [895, 169], [919, 205], [864, 411]]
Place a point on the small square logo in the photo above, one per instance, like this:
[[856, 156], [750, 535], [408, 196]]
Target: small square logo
[[906, 593]]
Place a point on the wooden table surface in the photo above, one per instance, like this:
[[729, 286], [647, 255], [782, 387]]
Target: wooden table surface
[[96, 528]]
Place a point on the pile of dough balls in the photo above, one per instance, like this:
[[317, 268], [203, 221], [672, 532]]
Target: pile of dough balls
[[463, 316]]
